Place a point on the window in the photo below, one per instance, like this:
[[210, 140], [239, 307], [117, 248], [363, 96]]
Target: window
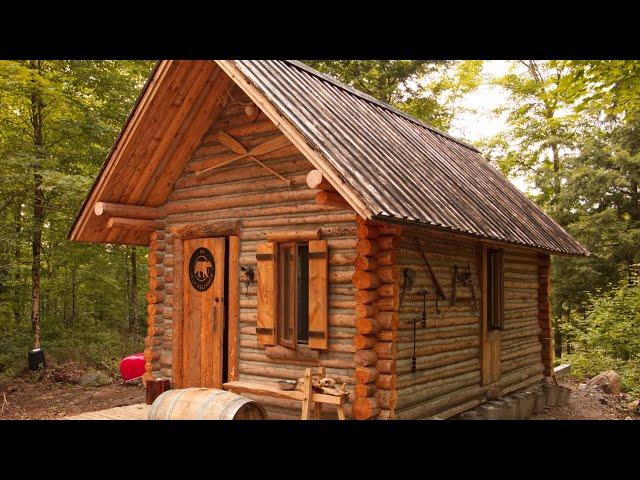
[[495, 289], [293, 294]]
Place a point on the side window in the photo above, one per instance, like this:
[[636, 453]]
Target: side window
[[293, 294], [495, 289], [292, 303]]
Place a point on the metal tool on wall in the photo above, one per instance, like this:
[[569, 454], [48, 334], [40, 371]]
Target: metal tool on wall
[[462, 276], [415, 321], [409, 277], [439, 291]]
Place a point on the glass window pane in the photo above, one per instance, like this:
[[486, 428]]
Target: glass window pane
[[287, 293]]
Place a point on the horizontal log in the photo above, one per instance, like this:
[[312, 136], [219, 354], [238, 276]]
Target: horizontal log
[[388, 320], [331, 199], [301, 353], [386, 381], [155, 296], [317, 181], [365, 263], [387, 336], [365, 358], [367, 231], [388, 304], [384, 365], [331, 362], [427, 391], [201, 230], [365, 280], [367, 325], [363, 342], [421, 377], [367, 247], [366, 296], [386, 415], [389, 290], [132, 224], [388, 242], [322, 219], [365, 408], [441, 403], [365, 390], [387, 398], [389, 229], [365, 374], [364, 310], [385, 349], [390, 274], [294, 235], [128, 211]]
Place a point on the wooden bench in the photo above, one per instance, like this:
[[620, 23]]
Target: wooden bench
[[307, 396]]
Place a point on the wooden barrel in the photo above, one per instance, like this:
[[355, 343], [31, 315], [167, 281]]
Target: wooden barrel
[[204, 404]]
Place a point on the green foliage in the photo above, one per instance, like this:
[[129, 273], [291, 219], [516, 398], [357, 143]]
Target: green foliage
[[83, 294], [607, 334], [427, 89]]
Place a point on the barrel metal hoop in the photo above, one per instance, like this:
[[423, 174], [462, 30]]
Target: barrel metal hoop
[[175, 401], [239, 400], [211, 399], [157, 402]]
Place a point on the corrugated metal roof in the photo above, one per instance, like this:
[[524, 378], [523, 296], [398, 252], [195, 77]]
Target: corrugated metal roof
[[401, 168]]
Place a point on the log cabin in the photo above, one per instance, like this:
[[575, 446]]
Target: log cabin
[[293, 222]]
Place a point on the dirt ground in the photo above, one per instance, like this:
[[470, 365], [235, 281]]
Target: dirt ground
[[52, 395], [36, 397], [586, 404]]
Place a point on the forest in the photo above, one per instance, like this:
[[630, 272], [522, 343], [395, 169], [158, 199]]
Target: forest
[[571, 135]]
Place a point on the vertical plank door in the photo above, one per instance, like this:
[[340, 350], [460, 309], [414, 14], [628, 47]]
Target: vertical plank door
[[203, 307]]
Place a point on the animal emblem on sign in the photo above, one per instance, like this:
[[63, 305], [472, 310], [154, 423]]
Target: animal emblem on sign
[[202, 269]]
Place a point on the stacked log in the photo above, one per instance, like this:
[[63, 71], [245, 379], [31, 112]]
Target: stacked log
[[156, 297], [544, 314], [447, 376], [377, 294]]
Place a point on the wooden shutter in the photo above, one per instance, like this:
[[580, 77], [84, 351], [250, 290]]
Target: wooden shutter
[[267, 293], [318, 294]]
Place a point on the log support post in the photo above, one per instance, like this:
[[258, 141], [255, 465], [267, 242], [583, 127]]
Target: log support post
[[155, 306], [377, 301], [544, 313]]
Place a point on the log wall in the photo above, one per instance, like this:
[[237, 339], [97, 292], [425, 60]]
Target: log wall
[[448, 349], [370, 331], [247, 192]]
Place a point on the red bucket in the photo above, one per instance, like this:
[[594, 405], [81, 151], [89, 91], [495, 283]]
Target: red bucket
[[132, 367]]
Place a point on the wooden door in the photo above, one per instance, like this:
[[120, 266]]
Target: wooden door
[[203, 306]]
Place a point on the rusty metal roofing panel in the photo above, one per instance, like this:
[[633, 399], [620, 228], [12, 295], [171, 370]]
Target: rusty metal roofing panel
[[400, 167]]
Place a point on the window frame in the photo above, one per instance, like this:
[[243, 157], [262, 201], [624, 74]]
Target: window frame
[[495, 290], [295, 246]]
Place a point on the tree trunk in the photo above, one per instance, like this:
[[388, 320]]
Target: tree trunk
[[74, 280], [557, 337], [17, 303], [38, 208]]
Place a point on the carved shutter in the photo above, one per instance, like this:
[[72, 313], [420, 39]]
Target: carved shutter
[[267, 293], [318, 295]]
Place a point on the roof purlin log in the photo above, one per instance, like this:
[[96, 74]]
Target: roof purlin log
[[117, 155]]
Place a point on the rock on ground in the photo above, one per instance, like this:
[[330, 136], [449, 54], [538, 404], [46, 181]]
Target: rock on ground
[[94, 379], [608, 381]]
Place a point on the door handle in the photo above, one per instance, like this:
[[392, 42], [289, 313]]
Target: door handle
[[213, 318]]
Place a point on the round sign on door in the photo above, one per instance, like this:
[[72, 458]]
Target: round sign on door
[[202, 269]]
